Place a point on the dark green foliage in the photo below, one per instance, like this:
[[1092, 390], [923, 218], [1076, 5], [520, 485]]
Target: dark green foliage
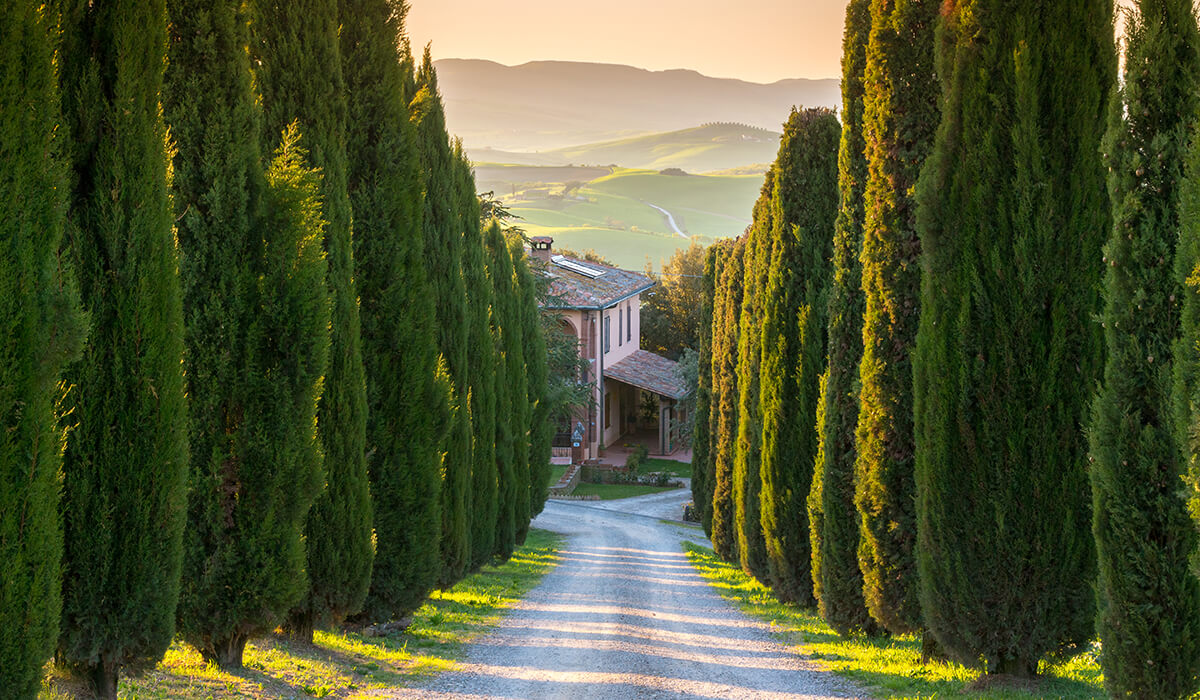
[[42, 331], [125, 467], [833, 519], [406, 406], [1144, 537], [298, 70], [747, 480], [727, 308], [1007, 350], [252, 492], [512, 415], [456, 559], [704, 433], [899, 120], [794, 324], [444, 259], [537, 372], [256, 337]]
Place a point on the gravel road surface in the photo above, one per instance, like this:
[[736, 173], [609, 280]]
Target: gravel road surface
[[624, 615]]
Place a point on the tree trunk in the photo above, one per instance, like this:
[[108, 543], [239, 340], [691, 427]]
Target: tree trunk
[[103, 677], [226, 653], [299, 627], [1017, 668]]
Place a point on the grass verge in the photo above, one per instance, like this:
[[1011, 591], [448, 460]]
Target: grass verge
[[681, 469], [611, 492], [888, 668], [343, 664]]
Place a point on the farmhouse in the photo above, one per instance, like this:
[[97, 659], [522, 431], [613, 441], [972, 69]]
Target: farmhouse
[[636, 395]]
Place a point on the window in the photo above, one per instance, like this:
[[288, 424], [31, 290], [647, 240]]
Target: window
[[607, 325], [628, 324], [620, 318], [607, 410]]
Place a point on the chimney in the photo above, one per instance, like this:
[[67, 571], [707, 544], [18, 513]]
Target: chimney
[[541, 246]]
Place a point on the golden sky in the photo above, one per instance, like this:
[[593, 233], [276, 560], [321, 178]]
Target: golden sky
[[756, 40]]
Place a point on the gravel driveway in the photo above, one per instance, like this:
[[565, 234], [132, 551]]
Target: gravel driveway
[[624, 615]]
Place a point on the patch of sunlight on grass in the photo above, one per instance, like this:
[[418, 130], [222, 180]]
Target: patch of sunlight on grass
[[344, 663], [890, 667]]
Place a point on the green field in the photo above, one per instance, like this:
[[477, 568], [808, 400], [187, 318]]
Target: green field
[[609, 209]]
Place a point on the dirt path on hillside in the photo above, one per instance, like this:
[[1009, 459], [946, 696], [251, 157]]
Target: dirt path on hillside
[[624, 615], [670, 220]]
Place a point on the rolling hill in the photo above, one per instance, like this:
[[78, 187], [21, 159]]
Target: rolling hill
[[700, 149], [633, 217], [546, 105]]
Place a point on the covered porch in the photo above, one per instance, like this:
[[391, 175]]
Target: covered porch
[[642, 406]]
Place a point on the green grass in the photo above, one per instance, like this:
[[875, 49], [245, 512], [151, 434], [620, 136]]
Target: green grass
[[557, 472], [890, 668], [652, 465], [612, 492], [627, 249], [346, 664], [611, 213]]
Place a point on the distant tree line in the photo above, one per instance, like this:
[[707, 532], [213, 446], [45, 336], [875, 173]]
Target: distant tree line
[[266, 365], [974, 362]]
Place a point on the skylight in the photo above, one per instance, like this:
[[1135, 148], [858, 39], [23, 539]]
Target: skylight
[[589, 272]]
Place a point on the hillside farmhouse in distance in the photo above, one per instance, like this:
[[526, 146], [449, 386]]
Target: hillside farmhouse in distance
[[636, 396]]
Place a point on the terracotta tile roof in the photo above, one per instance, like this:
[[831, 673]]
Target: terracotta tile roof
[[648, 371], [572, 289]]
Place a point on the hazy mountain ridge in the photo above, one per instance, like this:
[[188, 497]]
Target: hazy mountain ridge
[[547, 105]]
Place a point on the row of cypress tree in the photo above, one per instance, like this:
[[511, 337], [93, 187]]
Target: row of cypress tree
[[1008, 405], [256, 333]]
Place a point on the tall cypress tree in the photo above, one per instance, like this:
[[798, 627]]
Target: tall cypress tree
[[747, 478], [499, 269], [834, 521], [256, 337], [405, 404], [899, 120], [537, 372], [794, 324], [445, 259], [125, 467], [727, 306], [298, 69], [43, 330], [1144, 536], [704, 432], [1007, 350]]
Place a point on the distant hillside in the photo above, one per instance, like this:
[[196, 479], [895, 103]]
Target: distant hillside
[[548, 105], [701, 149]]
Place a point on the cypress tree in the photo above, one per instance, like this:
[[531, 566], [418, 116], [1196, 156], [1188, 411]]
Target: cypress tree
[[298, 69], [406, 406], [833, 519], [537, 372], [256, 343], [479, 301], [727, 306], [794, 324], [512, 388], [1144, 537], [43, 330], [125, 466], [443, 217], [1007, 349], [704, 432], [747, 478], [899, 120]]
